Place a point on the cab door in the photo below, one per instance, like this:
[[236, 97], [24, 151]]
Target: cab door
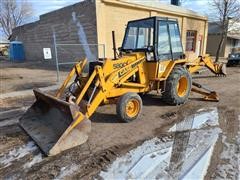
[[163, 41], [169, 46]]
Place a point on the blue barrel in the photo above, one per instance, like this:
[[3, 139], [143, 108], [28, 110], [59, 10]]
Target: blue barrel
[[16, 51]]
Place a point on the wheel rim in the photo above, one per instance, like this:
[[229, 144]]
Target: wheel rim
[[182, 86], [132, 108]]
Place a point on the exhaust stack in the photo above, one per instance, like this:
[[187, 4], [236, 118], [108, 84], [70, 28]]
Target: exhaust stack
[[175, 2]]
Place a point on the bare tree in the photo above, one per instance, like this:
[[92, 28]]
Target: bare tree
[[12, 14], [225, 10]]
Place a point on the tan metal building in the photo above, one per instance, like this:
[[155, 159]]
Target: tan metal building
[[114, 14], [231, 42], [92, 22]]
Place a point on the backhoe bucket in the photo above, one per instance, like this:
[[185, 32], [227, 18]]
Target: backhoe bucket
[[55, 125], [222, 69]]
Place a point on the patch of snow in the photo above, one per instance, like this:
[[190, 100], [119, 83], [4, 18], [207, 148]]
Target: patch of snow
[[122, 165], [17, 153], [230, 158], [198, 159], [149, 163], [67, 171], [36, 159], [201, 110], [238, 142], [187, 155], [203, 118], [8, 122], [200, 169], [6, 114]]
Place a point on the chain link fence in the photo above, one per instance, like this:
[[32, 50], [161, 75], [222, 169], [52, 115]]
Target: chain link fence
[[67, 54]]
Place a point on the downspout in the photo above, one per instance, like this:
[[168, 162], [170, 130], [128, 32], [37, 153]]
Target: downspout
[[204, 43]]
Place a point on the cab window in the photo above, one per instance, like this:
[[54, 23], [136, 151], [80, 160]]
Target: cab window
[[176, 44], [169, 40], [163, 50], [139, 35]]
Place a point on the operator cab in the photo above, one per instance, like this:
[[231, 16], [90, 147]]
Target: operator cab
[[158, 37]]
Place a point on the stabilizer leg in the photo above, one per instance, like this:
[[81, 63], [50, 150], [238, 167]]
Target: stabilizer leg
[[209, 95]]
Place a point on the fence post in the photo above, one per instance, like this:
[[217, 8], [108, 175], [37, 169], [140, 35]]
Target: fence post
[[56, 54]]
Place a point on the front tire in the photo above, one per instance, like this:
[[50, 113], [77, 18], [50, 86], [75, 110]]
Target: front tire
[[178, 86], [129, 106]]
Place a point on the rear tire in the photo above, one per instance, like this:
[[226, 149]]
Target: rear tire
[[178, 86], [129, 106]]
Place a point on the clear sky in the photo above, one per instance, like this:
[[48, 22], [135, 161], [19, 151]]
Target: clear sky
[[44, 6]]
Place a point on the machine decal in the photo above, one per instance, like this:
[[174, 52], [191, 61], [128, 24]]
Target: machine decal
[[119, 65], [125, 70]]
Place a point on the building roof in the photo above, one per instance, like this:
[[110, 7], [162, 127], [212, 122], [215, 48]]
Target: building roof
[[234, 36], [4, 41], [155, 5]]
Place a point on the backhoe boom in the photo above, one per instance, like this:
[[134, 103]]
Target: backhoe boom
[[218, 69]]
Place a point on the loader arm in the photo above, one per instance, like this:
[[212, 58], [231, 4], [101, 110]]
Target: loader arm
[[104, 87], [218, 69]]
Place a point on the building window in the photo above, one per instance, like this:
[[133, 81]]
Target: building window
[[191, 41]]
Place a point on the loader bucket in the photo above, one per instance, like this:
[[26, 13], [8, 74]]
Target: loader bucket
[[53, 124]]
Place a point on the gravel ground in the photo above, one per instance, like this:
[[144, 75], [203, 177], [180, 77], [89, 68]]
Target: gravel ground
[[110, 139]]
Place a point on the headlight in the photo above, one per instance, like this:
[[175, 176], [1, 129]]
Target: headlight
[[232, 55]]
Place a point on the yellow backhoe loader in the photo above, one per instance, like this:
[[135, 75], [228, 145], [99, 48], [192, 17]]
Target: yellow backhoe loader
[[151, 58]]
